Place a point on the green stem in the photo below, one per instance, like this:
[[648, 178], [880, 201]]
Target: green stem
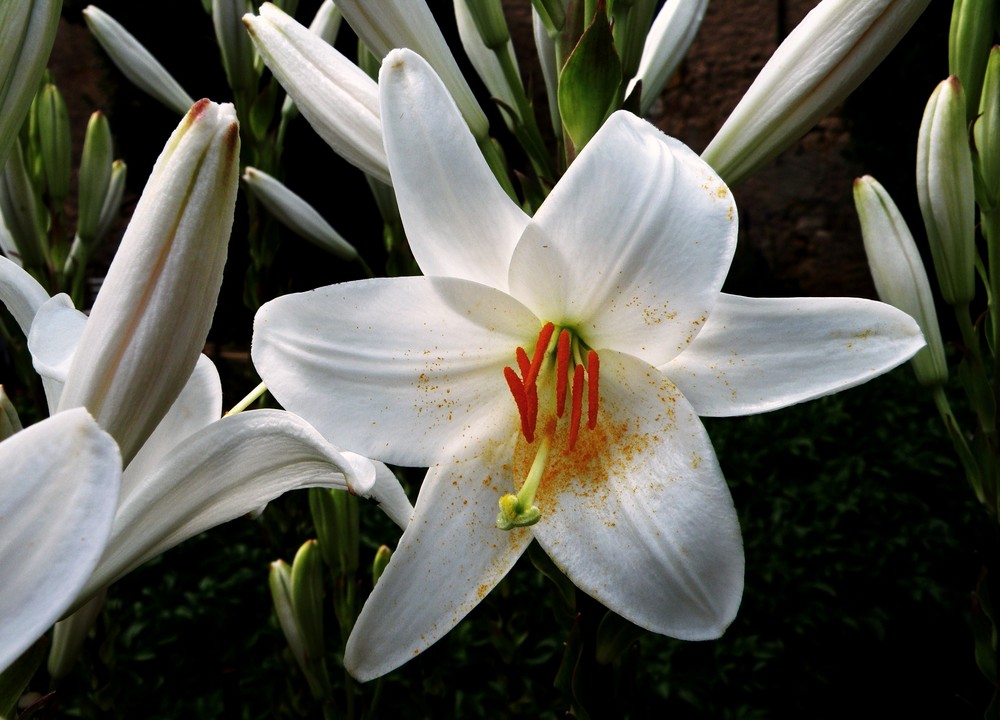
[[962, 449], [525, 125]]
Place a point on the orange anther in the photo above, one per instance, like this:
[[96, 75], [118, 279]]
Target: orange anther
[[532, 395], [577, 408], [521, 400], [536, 360], [593, 391], [562, 371], [523, 363]]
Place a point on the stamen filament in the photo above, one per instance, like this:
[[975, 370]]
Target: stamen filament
[[577, 408], [562, 371], [593, 390]]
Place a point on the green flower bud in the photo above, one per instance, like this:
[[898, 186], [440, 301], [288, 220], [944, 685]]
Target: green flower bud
[[27, 32], [113, 199], [986, 134], [490, 22], [95, 176], [279, 580], [10, 423], [899, 274], [296, 214], [382, 557], [307, 598], [54, 141], [234, 43], [21, 211], [969, 40], [946, 191]]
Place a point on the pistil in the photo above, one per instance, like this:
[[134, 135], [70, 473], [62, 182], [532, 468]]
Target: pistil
[[519, 510]]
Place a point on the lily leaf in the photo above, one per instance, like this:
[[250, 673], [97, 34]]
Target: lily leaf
[[590, 82]]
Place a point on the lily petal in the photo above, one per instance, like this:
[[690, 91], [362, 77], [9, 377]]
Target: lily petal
[[648, 527], [393, 368], [448, 560], [760, 354], [389, 495], [459, 221], [20, 293], [230, 468], [58, 493], [198, 405], [637, 265], [55, 333]]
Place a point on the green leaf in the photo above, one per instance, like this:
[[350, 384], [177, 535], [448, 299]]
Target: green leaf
[[590, 81]]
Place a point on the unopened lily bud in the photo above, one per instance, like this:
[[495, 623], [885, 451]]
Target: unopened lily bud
[[135, 61], [631, 20], [279, 580], [485, 59], [969, 40], [54, 141], [986, 134], [488, 17], [382, 557], [8, 248], [410, 24], [151, 317], [27, 32], [821, 61], [234, 44], [326, 22], [551, 14], [899, 274], [667, 43], [337, 98], [113, 199], [95, 176], [946, 191], [296, 214], [307, 598], [10, 423], [21, 212]]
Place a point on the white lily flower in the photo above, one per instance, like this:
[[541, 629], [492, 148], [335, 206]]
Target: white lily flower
[[553, 356], [135, 61], [333, 94], [58, 492], [821, 61], [409, 24], [667, 43]]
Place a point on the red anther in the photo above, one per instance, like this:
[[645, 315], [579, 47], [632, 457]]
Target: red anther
[[523, 363], [577, 410], [562, 371], [593, 391], [521, 400], [536, 360]]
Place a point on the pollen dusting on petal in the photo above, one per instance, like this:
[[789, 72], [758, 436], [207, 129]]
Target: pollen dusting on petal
[[611, 450]]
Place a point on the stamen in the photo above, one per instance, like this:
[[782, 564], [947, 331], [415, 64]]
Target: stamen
[[562, 371], [532, 396], [540, 347], [521, 400], [593, 391], [577, 411], [523, 364]]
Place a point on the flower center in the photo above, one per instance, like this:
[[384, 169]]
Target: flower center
[[577, 371]]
